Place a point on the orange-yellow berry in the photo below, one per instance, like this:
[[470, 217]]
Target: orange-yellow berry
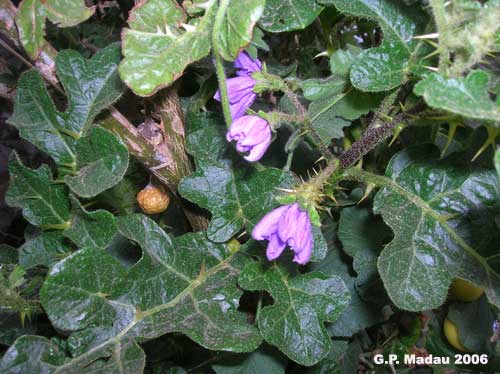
[[153, 200], [464, 290]]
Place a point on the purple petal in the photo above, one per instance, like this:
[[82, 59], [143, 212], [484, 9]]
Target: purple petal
[[243, 148], [217, 96], [302, 257], [240, 128], [258, 150], [239, 87], [257, 132], [269, 223], [302, 229], [246, 64], [302, 241], [253, 134], [274, 248], [239, 108], [288, 223]]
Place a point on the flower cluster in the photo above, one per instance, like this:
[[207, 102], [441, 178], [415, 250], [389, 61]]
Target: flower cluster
[[287, 225], [251, 133]]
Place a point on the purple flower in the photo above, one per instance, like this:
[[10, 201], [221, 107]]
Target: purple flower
[[246, 65], [252, 134], [286, 225], [240, 88]]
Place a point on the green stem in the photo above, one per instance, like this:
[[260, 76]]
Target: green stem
[[307, 124], [288, 164], [221, 75], [326, 30]]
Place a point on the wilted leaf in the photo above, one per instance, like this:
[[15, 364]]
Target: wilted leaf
[[157, 48], [442, 213], [289, 15], [102, 160], [468, 97], [302, 303]]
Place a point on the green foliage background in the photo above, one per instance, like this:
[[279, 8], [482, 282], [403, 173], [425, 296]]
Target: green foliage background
[[392, 107]]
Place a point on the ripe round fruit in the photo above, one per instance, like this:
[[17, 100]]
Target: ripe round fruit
[[153, 200], [451, 333], [464, 290]]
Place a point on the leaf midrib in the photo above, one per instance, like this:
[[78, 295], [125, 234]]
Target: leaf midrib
[[386, 182], [140, 316]]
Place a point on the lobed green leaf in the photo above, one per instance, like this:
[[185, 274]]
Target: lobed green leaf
[[302, 303]]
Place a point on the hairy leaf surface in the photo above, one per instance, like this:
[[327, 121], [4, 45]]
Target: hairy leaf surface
[[442, 213], [236, 195], [31, 17], [185, 284], [46, 249], [468, 96], [157, 48], [91, 86], [44, 203], [237, 26], [386, 66], [102, 160], [302, 303], [288, 15]]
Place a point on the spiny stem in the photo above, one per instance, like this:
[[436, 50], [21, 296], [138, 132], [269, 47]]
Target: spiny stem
[[324, 175], [372, 137], [295, 101], [377, 132]]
